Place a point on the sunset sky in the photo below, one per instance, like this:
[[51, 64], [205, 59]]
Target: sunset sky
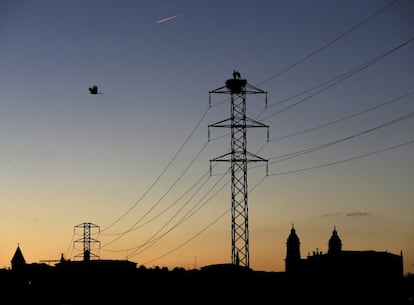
[[135, 159]]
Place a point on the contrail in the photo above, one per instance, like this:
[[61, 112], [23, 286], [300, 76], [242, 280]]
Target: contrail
[[168, 18]]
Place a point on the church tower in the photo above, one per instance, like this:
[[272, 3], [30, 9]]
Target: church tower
[[292, 260], [335, 243], [18, 260]]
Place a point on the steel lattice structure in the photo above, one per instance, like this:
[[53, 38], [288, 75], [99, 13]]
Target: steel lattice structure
[[86, 240], [238, 157]]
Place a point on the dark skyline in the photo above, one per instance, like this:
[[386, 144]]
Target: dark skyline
[[337, 276], [135, 159]]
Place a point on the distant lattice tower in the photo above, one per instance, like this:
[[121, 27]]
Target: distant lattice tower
[[238, 157], [86, 240]]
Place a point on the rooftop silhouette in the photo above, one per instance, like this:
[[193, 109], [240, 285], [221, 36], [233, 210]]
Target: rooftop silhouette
[[335, 277]]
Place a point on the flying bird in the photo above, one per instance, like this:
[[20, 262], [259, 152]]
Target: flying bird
[[94, 90]]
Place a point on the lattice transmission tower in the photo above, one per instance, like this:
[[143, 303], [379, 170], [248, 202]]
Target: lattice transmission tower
[[239, 158], [86, 240]]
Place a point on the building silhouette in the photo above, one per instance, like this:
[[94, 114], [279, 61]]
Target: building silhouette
[[341, 262], [293, 258], [336, 277], [344, 276], [18, 261]]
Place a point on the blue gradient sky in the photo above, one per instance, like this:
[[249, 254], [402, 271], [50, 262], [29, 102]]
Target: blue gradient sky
[[68, 157]]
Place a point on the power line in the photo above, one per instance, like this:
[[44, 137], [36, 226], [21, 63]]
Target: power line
[[299, 153], [320, 48], [206, 227], [319, 147], [343, 160], [188, 240], [131, 228], [135, 226], [277, 174], [273, 76], [160, 175], [185, 217], [181, 208], [397, 99], [388, 102], [338, 77], [346, 76], [152, 240], [291, 66], [192, 196], [288, 156], [330, 42], [171, 205]]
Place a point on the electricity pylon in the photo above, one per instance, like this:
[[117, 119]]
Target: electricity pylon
[[238, 157], [86, 240]]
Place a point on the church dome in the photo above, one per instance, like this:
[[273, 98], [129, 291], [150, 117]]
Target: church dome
[[335, 243]]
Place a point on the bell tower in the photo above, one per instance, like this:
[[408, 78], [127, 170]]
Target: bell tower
[[292, 260], [335, 243]]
